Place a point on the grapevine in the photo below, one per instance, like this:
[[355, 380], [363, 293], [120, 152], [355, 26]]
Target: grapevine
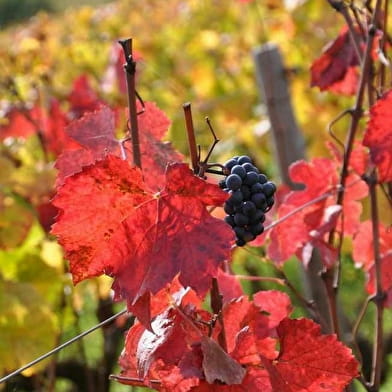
[[176, 244]]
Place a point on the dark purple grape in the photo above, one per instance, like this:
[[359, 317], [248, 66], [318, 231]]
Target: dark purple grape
[[244, 159], [236, 197], [257, 217], [248, 208], [262, 178], [259, 200], [229, 208], [239, 231], [222, 184], [269, 188], [240, 242], [248, 236], [256, 229], [256, 188], [248, 167], [240, 219], [251, 178], [238, 208], [239, 170], [230, 163], [233, 182], [229, 219], [245, 192], [270, 201]]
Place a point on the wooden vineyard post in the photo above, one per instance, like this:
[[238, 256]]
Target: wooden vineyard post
[[289, 146], [273, 84]]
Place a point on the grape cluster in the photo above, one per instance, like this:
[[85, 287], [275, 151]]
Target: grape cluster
[[251, 196]]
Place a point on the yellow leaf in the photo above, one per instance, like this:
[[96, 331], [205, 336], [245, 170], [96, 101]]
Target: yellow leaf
[[28, 328]]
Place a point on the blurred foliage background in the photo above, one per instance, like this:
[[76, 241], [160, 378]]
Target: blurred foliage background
[[191, 50]]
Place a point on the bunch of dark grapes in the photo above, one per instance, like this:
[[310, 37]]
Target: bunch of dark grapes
[[251, 196]]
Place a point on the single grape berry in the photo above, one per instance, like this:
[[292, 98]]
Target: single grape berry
[[270, 201], [229, 219], [248, 167], [239, 170], [257, 217], [256, 188], [248, 236], [259, 200], [251, 178], [239, 231], [243, 159], [222, 184], [269, 188], [240, 242], [262, 178], [229, 208], [230, 163], [246, 192], [236, 197], [251, 196], [233, 182], [256, 229], [240, 219], [248, 208]]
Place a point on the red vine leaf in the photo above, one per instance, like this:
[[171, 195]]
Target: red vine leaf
[[109, 223], [83, 97], [298, 226], [336, 69], [18, 122], [48, 123], [386, 278], [276, 303], [317, 238], [93, 205], [172, 233], [309, 361], [378, 136], [363, 252], [229, 286], [218, 365], [256, 379], [183, 351], [153, 125], [94, 133], [95, 137], [359, 159], [306, 227]]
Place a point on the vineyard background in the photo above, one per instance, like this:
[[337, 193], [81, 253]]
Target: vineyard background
[[205, 58]]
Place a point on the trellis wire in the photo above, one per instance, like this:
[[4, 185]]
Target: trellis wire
[[59, 348]]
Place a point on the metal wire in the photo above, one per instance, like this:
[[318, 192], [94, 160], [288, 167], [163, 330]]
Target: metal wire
[[59, 348]]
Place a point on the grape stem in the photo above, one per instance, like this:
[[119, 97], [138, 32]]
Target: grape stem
[[133, 380], [380, 294], [130, 70], [191, 136]]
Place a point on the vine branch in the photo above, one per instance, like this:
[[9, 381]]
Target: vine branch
[[190, 130], [130, 71], [331, 280], [379, 297]]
